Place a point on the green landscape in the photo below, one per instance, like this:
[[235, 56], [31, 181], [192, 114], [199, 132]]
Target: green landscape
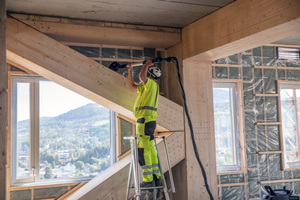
[[74, 144], [223, 129]]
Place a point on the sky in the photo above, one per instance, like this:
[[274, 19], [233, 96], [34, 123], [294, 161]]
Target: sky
[[54, 100]]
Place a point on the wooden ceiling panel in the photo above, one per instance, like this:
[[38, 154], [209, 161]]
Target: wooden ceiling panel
[[168, 13]]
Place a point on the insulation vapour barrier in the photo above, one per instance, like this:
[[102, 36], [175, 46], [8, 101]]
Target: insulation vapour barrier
[[260, 70]]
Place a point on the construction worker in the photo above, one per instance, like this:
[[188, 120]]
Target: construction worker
[[145, 108]]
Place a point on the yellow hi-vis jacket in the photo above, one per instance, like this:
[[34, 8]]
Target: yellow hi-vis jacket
[[147, 100]]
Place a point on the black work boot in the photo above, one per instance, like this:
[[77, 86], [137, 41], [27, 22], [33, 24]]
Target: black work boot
[[147, 184], [158, 181], [147, 193]]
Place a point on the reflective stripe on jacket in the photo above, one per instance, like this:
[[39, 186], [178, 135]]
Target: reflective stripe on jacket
[[147, 100]]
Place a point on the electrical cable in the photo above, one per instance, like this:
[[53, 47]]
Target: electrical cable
[[171, 59]]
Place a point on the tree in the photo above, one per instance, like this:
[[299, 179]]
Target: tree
[[57, 160], [48, 156], [78, 173], [48, 173], [21, 164], [53, 164], [92, 168], [104, 164], [79, 165]]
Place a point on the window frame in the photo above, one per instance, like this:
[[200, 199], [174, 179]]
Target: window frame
[[120, 156], [14, 161], [34, 177], [239, 125], [286, 85]]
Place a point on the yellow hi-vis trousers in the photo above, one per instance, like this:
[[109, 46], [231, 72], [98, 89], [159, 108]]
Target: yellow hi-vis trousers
[[147, 153]]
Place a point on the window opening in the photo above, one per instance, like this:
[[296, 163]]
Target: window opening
[[56, 133], [226, 127], [288, 53], [290, 102]]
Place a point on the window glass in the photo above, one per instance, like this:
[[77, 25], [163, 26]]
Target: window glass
[[23, 131], [290, 113], [226, 127], [126, 129], [288, 53], [87, 51], [65, 136]]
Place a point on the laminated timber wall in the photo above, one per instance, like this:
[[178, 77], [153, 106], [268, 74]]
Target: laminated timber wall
[[3, 100], [198, 84], [170, 77]]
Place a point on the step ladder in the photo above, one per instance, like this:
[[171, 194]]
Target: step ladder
[[134, 166]]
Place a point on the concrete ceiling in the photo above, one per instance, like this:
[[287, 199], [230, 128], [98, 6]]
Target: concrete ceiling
[[167, 13]]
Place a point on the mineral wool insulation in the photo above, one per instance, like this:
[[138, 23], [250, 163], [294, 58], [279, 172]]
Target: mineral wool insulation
[[259, 138]]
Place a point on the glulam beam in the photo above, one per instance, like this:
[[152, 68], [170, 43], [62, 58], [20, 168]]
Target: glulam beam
[[242, 25], [93, 32]]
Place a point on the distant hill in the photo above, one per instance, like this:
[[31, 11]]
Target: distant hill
[[80, 136], [86, 122], [85, 112], [220, 95], [81, 113], [221, 101]]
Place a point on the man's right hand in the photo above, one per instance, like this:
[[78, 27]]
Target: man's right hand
[[129, 67], [149, 62], [132, 85]]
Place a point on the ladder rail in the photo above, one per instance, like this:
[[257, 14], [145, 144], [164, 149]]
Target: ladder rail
[[162, 174], [134, 166], [129, 180], [168, 161]]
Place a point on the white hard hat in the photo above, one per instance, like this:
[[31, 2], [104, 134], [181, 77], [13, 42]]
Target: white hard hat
[[155, 72]]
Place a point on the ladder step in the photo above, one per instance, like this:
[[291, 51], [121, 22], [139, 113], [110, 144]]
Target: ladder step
[[150, 188]]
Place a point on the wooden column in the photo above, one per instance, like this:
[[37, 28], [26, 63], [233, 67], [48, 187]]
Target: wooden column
[[197, 76], [3, 100], [172, 87]]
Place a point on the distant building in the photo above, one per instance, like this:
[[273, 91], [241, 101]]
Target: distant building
[[69, 167]]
